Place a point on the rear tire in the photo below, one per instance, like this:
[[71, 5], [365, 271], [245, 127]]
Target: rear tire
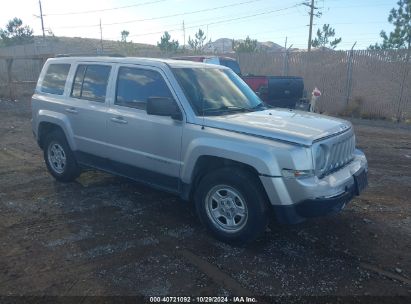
[[231, 203], [59, 158]]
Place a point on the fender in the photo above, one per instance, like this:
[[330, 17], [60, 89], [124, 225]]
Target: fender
[[60, 120], [256, 156]]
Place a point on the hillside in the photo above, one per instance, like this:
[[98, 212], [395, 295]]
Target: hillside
[[76, 45], [224, 45]]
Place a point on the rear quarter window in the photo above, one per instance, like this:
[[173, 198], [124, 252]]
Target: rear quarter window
[[55, 79]]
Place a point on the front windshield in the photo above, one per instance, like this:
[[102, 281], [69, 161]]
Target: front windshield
[[213, 91]]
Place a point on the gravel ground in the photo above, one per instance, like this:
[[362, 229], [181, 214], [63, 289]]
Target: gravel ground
[[105, 235]]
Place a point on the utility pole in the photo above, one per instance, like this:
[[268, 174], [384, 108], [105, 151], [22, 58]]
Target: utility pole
[[184, 34], [349, 75], [285, 72], [310, 32], [41, 17], [101, 37]]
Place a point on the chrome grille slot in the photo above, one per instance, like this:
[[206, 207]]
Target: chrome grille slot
[[341, 153], [331, 158], [345, 151], [338, 154]]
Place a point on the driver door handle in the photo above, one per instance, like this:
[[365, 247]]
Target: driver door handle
[[119, 120], [71, 110]]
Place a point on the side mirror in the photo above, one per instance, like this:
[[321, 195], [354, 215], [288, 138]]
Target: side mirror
[[163, 106]]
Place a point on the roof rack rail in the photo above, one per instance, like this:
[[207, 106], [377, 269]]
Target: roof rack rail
[[89, 55]]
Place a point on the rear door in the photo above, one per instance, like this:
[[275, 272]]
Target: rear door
[[50, 90], [149, 143], [87, 106]]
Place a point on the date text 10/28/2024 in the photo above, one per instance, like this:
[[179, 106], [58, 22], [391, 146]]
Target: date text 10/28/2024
[[169, 299]]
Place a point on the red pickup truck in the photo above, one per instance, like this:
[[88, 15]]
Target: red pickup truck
[[278, 91]]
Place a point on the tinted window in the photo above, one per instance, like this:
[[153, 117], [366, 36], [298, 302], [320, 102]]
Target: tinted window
[[135, 86], [90, 82], [55, 79], [78, 81]]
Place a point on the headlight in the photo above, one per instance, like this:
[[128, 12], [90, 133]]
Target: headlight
[[320, 158]]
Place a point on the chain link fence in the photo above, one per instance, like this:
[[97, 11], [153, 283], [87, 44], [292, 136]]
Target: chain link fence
[[367, 84]]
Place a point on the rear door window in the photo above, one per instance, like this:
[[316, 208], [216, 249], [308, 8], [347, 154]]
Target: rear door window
[[90, 82], [55, 79], [135, 86]]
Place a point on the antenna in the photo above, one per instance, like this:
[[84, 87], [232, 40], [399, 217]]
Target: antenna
[[202, 106]]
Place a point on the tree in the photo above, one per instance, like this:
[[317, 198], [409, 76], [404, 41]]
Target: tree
[[246, 46], [16, 33], [166, 44], [323, 38], [124, 35], [400, 38], [197, 44]]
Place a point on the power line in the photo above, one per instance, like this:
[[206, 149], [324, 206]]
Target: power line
[[203, 21], [241, 18], [105, 9], [304, 26], [222, 21], [166, 16], [373, 5]]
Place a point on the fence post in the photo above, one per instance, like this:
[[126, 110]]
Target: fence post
[[285, 65], [405, 76], [9, 62], [349, 75]]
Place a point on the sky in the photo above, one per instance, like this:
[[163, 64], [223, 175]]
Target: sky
[[358, 21]]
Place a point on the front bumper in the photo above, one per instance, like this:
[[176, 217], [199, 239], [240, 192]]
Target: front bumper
[[295, 200]]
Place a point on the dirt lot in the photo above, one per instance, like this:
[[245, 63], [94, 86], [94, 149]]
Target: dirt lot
[[105, 235]]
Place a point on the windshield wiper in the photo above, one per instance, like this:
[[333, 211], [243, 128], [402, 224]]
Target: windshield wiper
[[228, 109], [263, 106]]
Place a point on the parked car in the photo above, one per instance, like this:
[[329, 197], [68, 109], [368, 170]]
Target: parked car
[[278, 91], [198, 131]]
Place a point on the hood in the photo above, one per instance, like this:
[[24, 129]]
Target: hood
[[281, 124]]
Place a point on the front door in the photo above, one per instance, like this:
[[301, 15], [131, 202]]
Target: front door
[[149, 145]]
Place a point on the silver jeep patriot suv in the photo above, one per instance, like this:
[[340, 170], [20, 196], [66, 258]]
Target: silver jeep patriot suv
[[196, 130]]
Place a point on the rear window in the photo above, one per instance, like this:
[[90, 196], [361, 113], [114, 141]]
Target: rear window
[[55, 79], [91, 82]]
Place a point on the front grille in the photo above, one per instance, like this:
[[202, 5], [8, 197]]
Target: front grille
[[341, 153]]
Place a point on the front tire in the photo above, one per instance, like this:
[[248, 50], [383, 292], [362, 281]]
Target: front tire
[[231, 203], [59, 158]]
